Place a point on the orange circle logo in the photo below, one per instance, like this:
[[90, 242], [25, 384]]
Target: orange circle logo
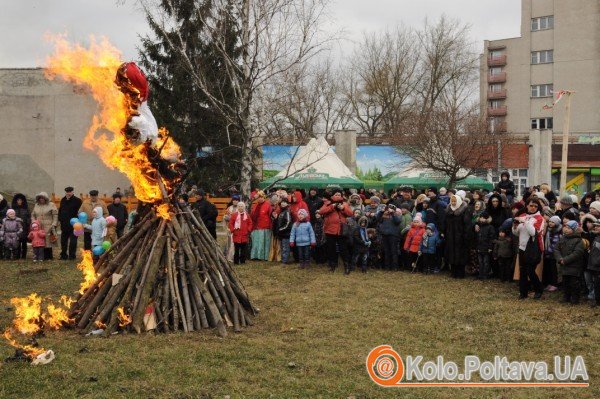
[[385, 366]]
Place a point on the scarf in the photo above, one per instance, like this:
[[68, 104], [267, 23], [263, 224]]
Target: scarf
[[459, 202], [238, 221]]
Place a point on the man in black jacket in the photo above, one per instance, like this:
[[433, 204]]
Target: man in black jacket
[[506, 186], [436, 213], [313, 202], [119, 212], [208, 212], [68, 209]]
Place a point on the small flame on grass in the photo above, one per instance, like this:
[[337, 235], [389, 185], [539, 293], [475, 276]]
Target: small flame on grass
[[99, 324], [124, 318]]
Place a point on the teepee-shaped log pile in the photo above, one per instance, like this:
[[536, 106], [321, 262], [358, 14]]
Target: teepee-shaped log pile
[[167, 271]]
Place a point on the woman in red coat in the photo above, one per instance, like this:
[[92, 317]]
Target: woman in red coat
[[297, 204], [334, 212], [261, 232], [240, 225]]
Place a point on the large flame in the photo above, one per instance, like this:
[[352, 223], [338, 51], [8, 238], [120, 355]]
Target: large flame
[[56, 316], [27, 314], [95, 68], [87, 268]]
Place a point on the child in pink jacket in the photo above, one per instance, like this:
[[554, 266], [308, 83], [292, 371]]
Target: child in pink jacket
[[37, 237]]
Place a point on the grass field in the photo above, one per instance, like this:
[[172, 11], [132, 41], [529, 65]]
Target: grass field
[[310, 340]]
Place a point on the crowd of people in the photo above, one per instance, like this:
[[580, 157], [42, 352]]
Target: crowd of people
[[545, 242]]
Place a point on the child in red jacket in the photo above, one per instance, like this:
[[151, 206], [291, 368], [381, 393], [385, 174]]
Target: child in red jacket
[[240, 225], [412, 244], [37, 237]]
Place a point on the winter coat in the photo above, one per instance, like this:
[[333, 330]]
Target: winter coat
[[444, 199], [485, 236], [355, 202], [412, 243], [498, 214], [318, 228], [507, 185], [594, 258], [457, 234], [436, 213], [208, 212], [11, 231], [571, 251], [283, 224], [503, 248], [551, 240], [388, 224], [240, 236], [405, 222], [302, 234], [360, 240], [37, 237], [88, 206], [430, 243], [314, 204], [119, 212], [296, 206], [261, 216], [98, 228], [23, 213], [533, 225], [67, 210], [334, 217], [47, 216]]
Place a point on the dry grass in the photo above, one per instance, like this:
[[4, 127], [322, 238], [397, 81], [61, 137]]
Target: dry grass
[[323, 323]]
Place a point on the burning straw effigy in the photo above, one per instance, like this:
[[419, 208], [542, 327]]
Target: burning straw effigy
[[167, 273]]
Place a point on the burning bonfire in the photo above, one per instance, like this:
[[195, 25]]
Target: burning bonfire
[[167, 273]]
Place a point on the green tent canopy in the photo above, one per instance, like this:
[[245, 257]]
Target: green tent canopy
[[312, 179], [426, 180]]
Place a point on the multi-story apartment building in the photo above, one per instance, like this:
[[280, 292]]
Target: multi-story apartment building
[[559, 49]]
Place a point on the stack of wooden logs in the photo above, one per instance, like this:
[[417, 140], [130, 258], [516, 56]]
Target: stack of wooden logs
[[172, 269]]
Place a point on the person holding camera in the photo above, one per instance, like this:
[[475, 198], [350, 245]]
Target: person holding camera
[[337, 232], [388, 228]]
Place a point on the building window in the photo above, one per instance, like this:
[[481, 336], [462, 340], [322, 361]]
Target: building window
[[542, 23], [496, 87], [495, 71], [496, 53], [495, 104], [542, 57], [542, 123], [542, 90]]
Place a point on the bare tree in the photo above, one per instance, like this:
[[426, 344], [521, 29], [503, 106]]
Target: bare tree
[[276, 36], [382, 82]]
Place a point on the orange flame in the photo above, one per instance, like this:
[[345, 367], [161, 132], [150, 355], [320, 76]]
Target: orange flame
[[163, 211], [99, 324], [87, 268], [124, 318], [56, 316], [27, 313], [95, 68], [29, 350]]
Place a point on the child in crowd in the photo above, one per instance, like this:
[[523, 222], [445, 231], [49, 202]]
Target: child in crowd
[[486, 234], [303, 238], [504, 254], [412, 244], [443, 196], [361, 244], [37, 237], [240, 225], [111, 229], [551, 238], [98, 229], [10, 233], [283, 228], [569, 255], [375, 258], [319, 251], [428, 248]]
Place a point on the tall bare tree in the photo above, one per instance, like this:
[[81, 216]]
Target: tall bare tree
[[276, 36]]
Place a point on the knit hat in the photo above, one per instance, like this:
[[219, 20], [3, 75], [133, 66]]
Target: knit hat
[[433, 190], [302, 212], [235, 197], [549, 212], [418, 218], [428, 200], [430, 226], [555, 220], [595, 205], [461, 193], [574, 198], [375, 199], [566, 199], [573, 225], [507, 225], [10, 213]]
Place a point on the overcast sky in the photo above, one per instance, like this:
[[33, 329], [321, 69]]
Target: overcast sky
[[24, 22]]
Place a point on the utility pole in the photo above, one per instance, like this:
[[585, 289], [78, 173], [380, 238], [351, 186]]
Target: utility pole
[[565, 144]]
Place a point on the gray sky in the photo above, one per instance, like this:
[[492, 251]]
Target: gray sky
[[24, 22]]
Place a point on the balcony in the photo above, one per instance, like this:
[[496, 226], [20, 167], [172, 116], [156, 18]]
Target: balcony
[[498, 78], [500, 111], [499, 127], [496, 95], [497, 61]]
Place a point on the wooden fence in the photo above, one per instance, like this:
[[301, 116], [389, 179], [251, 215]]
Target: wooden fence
[[132, 202]]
